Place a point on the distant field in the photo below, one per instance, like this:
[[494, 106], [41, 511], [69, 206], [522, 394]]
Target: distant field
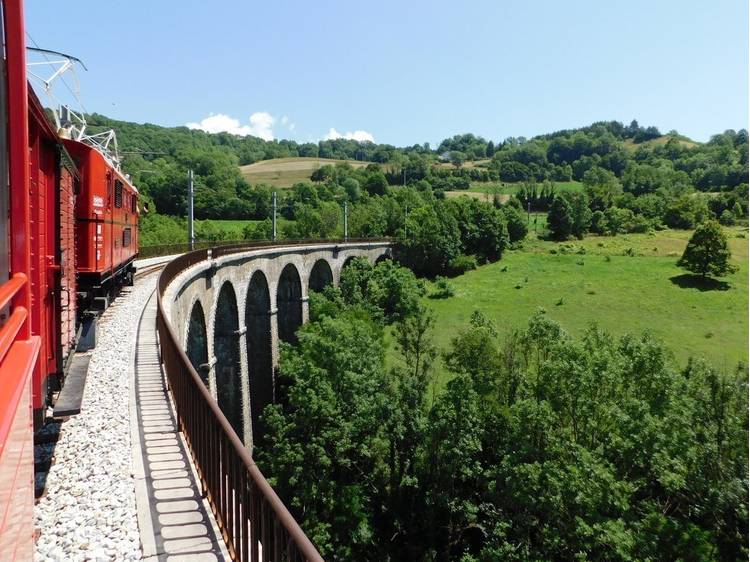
[[468, 164], [285, 172], [621, 293], [485, 191], [235, 227]]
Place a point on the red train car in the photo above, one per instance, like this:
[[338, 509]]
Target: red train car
[[68, 238], [106, 225], [19, 342], [52, 185]]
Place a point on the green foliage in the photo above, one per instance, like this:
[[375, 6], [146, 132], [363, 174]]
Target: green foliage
[[387, 290], [686, 212], [483, 228], [430, 240], [461, 264], [330, 426], [541, 447], [707, 252], [158, 229], [443, 288], [516, 222], [560, 218]]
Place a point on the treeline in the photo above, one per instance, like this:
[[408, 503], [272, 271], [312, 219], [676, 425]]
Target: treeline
[[541, 446], [644, 199], [158, 159]]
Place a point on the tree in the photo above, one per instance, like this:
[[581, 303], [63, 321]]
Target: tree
[[457, 158], [707, 252], [490, 150], [430, 240], [580, 212], [517, 227], [601, 187], [560, 218], [376, 184]]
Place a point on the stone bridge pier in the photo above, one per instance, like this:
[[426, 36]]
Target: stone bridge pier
[[231, 313]]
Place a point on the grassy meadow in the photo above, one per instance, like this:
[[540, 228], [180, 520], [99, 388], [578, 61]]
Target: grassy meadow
[[485, 191], [285, 172], [625, 284]]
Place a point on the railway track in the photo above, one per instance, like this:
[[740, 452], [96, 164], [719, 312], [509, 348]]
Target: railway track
[[144, 271]]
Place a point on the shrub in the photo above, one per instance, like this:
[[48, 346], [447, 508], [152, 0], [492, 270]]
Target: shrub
[[443, 288], [727, 218], [517, 228], [462, 264]]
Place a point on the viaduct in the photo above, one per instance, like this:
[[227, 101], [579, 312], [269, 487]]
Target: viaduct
[[231, 311]]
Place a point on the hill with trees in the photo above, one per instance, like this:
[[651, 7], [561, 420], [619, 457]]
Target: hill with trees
[[651, 175]]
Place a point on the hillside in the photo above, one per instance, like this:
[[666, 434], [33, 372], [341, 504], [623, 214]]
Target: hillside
[[285, 172], [683, 141]]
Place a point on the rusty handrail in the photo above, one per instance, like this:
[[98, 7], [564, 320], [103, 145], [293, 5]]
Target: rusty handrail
[[253, 520]]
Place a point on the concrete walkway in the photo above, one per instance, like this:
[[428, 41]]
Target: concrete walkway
[[175, 522]]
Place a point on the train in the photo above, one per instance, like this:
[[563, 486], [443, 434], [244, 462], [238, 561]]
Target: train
[[69, 230]]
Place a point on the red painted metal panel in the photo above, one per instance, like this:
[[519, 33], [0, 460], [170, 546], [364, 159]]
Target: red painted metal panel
[[16, 443], [17, 452], [100, 222]]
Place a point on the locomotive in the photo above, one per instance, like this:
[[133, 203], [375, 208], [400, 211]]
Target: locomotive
[[69, 232]]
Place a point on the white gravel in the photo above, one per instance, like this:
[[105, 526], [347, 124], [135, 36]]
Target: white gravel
[[89, 509]]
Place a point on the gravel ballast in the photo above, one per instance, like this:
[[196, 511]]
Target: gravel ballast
[[89, 509]]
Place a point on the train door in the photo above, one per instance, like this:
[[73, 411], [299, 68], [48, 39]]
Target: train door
[[66, 251]]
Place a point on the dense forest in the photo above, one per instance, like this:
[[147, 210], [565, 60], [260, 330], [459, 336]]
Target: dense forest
[[541, 447], [634, 177]]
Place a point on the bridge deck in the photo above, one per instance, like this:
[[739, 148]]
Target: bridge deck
[[174, 521]]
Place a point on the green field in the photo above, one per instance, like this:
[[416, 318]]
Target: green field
[[512, 188], [621, 293], [485, 191], [285, 172]]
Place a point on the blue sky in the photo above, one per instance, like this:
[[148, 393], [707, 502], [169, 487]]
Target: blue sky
[[410, 71]]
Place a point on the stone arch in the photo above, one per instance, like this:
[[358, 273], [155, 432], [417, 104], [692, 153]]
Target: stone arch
[[259, 350], [320, 276], [289, 303], [227, 353], [196, 341], [382, 258], [348, 261]]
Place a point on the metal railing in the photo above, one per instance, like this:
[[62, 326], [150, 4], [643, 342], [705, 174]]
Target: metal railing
[[156, 250], [253, 520]]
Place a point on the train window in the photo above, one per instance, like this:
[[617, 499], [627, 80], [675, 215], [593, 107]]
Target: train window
[[126, 237], [118, 194]]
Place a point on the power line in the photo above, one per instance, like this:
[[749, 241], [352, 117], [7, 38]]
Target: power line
[[44, 52]]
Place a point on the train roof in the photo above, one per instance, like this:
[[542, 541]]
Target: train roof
[[82, 146]]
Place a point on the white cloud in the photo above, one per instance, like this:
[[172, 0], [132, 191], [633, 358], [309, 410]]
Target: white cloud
[[261, 125], [360, 136], [288, 123]]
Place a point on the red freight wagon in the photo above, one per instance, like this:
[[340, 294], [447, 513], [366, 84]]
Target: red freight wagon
[[106, 226], [52, 181]]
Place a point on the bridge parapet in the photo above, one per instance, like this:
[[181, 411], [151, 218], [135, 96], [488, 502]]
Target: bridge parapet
[[221, 315]]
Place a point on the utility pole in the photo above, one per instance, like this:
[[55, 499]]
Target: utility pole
[[274, 215], [346, 220], [528, 209], [191, 228]]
